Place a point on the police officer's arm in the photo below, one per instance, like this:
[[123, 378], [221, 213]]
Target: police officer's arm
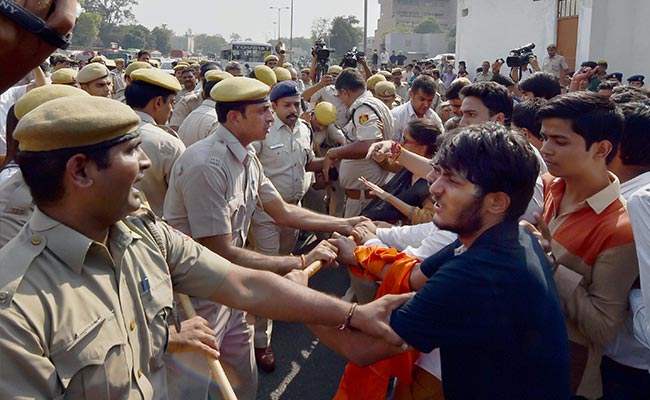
[[223, 245], [325, 80], [307, 220]]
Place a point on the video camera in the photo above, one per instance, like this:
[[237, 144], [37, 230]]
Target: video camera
[[320, 51], [351, 57], [520, 56]]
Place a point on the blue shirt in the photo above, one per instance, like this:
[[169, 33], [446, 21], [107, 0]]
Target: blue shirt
[[494, 312]]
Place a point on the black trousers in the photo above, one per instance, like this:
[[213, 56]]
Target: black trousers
[[621, 382]]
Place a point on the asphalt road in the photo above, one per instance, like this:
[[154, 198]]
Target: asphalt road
[[305, 368]]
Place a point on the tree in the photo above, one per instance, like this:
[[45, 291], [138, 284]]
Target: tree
[[86, 29], [208, 44], [113, 12], [235, 37], [343, 35], [320, 28], [138, 37], [428, 25], [162, 37]]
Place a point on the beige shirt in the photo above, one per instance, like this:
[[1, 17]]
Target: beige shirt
[[284, 154], [80, 320], [184, 107], [162, 149], [199, 124], [365, 114], [402, 90], [555, 65], [215, 186], [118, 84], [15, 207]]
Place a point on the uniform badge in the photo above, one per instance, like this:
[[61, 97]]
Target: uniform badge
[[363, 119]]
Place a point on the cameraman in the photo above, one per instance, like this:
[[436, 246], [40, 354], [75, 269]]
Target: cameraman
[[525, 70]]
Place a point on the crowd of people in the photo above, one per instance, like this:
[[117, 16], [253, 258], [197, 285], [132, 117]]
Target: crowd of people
[[495, 230]]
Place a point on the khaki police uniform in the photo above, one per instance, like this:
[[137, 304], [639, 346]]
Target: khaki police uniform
[[118, 83], [162, 149], [365, 114], [16, 207], [82, 320], [184, 107], [402, 90], [199, 123], [214, 188]]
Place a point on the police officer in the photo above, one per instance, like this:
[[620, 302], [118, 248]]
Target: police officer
[[214, 189], [85, 291], [151, 94], [93, 78]]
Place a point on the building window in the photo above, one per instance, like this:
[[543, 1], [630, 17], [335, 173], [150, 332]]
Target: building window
[[567, 8], [465, 12]]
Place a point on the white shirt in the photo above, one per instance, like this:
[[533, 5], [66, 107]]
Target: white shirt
[[8, 99], [631, 346], [405, 113]]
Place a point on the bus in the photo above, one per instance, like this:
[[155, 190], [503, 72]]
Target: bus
[[252, 53]]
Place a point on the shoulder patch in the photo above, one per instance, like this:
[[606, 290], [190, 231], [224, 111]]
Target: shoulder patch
[[17, 257], [363, 118]]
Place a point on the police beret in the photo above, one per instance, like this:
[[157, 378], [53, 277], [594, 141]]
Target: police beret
[[636, 78], [602, 62], [110, 63], [385, 73], [287, 65], [181, 66], [265, 74], [325, 113], [373, 80], [216, 75], [136, 65], [91, 72], [284, 89], [158, 78], [74, 121], [195, 65], [64, 76], [282, 74], [335, 69], [119, 60], [42, 94], [385, 89], [616, 75], [396, 71], [100, 59], [305, 71], [271, 57], [246, 90]]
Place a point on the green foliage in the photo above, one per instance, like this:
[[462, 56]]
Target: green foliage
[[320, 28], [344, 35], [208, 44], [86, 29], [138, 37], [235, 37], [113, 12], [428, 25], [162, 37]]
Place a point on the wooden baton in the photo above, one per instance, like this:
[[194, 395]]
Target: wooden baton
[[218, 373]]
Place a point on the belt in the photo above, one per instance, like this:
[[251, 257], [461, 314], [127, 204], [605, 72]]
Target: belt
[[355, 194]]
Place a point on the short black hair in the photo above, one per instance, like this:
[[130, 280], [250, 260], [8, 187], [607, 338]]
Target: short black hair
[[139, 93], [224, 108], [350, 79], [425, 131], [495, 97], [503, 80], [635, 140], [494, 158], [542, 84], [425, 83], [592, 116], [207, 87], [43, 170], [607, 85], [209, 66], [524, 115], [453, 91], [142, 53]]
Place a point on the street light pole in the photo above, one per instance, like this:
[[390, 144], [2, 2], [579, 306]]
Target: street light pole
[[291, 29], [279, 10]]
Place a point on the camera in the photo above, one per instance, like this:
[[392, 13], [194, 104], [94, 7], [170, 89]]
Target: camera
[[320, 51], [351, 57], [520, 56]]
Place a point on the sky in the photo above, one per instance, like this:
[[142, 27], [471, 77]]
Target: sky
[[249, 18]]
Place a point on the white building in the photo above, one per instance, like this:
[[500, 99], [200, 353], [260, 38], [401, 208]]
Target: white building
[[612, 30]]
